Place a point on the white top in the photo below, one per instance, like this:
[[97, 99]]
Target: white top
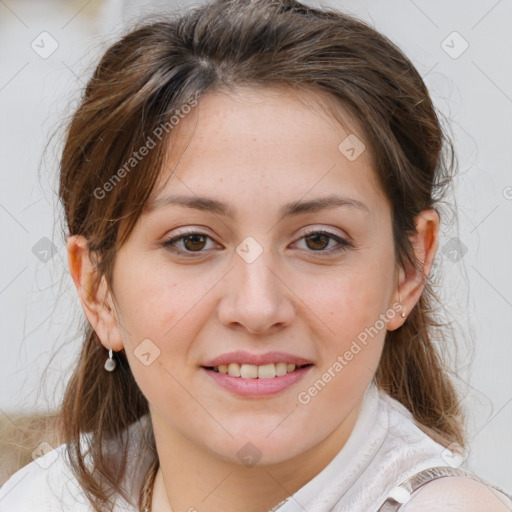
[[385, 448]]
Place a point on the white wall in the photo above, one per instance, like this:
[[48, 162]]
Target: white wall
[[40, 311]]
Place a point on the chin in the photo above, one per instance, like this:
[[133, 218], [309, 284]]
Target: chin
[[260, 449]]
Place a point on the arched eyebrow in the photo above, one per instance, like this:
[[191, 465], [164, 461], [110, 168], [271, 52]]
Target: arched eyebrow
[[221, 208]]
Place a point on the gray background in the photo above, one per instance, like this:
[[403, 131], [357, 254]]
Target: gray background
[[473, 88]]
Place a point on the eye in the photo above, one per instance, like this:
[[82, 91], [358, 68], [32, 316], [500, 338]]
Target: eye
[[318, 241], [188, 243]]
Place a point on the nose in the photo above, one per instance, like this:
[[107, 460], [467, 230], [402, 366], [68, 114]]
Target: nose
[[256, 298]]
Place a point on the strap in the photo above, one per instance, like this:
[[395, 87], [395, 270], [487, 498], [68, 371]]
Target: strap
[[401, 494]]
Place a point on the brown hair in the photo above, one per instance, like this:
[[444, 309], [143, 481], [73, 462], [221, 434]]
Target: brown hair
[[21, 438], [154, 70]]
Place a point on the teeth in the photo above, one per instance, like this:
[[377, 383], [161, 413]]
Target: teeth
[[251, 371], [281, 369], [234, 369], [267, 371]]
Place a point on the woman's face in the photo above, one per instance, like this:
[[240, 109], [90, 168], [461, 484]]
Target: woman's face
[[243, 264]]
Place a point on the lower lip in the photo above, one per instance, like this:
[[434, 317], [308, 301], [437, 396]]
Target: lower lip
[[258, 387]]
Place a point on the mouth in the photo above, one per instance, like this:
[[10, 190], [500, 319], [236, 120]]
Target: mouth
[[252, 371], [256, 376]]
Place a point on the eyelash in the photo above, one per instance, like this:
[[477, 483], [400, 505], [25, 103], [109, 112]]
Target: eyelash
[[343, 245]]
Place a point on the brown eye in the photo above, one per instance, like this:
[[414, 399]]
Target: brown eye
[[189, 243], [319, 241], [194, 242]]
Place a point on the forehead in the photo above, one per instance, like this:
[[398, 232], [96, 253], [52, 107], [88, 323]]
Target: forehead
[[266, 143]]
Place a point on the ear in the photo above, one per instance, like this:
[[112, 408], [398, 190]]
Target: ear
[[95, 297], [412, 280]]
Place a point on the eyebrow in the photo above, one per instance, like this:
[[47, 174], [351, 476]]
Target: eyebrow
[[294, 208]]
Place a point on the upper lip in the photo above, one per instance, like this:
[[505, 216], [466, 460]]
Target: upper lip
[[243, 357]]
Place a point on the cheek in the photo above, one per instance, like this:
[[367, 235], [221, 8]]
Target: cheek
[[349, 301], [352, 306], [151, 298], [351, 347], [159, 305], [160, 318]]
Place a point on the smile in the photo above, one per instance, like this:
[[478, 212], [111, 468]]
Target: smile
[[257, 381], [252, 371]]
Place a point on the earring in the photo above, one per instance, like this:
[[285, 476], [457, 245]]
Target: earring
[[110, 363], [402, 314]]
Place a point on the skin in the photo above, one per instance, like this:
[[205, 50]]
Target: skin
[[255, 150], [459, 495]]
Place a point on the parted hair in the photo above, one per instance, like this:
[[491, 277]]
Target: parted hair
[[152, 71]]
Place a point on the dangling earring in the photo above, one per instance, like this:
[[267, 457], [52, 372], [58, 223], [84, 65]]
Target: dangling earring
[[110, 363], [402, 314]]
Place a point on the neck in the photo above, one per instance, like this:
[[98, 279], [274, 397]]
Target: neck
[[192, 479]]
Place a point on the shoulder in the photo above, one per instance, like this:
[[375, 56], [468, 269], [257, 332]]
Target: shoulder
[[409, 448], [45, 485], [457, 494]]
